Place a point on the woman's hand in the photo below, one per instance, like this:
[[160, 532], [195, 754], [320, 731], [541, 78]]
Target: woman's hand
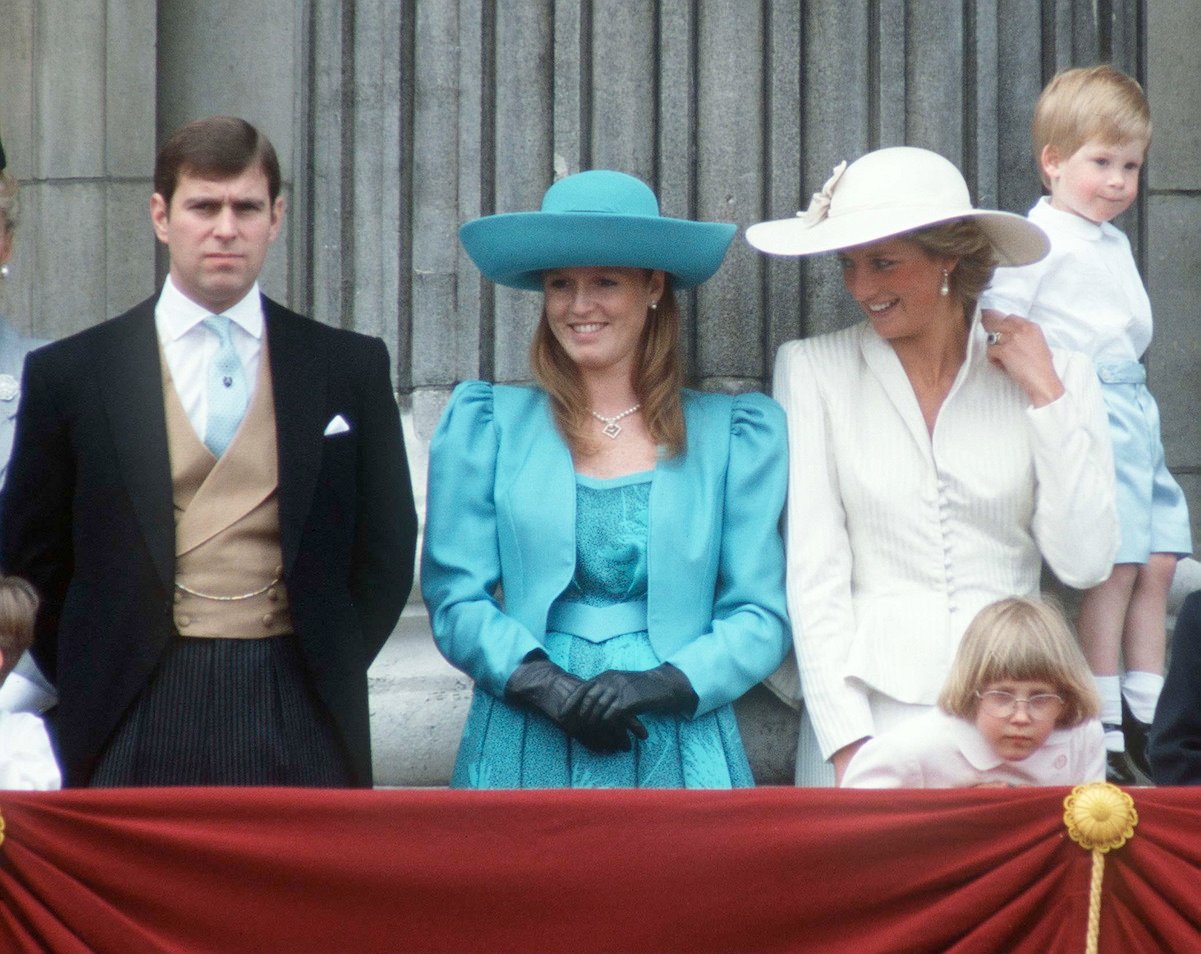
[[1018, 348], [541, 685], [612, 701]]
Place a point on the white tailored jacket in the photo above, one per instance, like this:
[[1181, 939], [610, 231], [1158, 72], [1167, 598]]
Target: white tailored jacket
[[896, 537]]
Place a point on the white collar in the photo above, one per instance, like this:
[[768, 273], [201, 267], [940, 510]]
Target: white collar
[[1045, 213], [177, 314], [972, 744]]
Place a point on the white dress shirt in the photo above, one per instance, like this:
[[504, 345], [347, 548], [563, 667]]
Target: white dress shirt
[[189, 347], [1086, 295], [936, 750], [896, 539]]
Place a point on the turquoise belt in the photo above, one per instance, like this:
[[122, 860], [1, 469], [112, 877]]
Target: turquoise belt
[[597, 623]]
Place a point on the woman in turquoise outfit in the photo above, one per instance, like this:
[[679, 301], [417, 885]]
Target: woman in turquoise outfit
[[602, 551]]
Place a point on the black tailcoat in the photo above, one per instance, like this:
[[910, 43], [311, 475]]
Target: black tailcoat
[[89, 518]]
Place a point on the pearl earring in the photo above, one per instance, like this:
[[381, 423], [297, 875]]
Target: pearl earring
[[945, 288]]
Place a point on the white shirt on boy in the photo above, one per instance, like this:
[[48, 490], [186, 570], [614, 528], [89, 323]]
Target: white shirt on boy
[[1086, 295]]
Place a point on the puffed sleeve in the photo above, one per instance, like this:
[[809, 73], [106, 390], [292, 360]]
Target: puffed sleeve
[[819, 558], [1075, 518], [749, 635], [460, 563]]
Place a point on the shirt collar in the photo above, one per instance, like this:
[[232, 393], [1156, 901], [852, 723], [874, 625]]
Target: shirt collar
[[1045, 213], [176, 314]]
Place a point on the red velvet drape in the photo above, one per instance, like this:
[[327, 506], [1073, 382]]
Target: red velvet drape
[[264, 870]]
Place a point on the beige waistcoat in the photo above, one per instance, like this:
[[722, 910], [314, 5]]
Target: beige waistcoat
[[228, 563]]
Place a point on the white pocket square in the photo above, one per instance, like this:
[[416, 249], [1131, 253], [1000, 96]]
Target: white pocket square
[[336, 425]]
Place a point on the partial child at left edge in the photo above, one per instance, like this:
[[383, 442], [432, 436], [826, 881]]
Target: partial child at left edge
[[26, 758]]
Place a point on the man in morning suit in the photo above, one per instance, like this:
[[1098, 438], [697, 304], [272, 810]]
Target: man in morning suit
[[212, 496]]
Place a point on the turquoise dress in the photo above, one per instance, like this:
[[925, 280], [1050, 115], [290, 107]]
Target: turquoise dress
[[682, 565], [505, 746]]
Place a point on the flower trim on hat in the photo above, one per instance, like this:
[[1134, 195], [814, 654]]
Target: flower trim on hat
[[819, 205]]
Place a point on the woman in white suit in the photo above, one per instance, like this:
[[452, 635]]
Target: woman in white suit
[[935, 458]]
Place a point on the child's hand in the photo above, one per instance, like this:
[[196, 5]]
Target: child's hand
[[1018, 348]]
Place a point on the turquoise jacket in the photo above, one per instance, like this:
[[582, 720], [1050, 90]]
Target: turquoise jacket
[[500, 538]]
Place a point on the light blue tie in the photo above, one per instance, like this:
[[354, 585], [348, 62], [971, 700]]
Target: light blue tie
[[227, 389]]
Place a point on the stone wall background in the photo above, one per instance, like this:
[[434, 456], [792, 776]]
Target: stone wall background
[[397, 120]]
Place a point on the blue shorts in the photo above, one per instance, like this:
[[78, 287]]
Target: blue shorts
[[1152, 511]]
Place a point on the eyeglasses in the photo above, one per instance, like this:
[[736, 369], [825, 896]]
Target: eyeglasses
[[1001, 704]]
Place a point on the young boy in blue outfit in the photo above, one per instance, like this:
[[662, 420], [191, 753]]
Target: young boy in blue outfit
[[1091, 131]]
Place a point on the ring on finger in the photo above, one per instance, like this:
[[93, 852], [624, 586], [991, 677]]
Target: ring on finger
[[994, 337]]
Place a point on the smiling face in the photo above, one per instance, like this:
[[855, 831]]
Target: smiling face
[[597, 314], [1017, 736], [1098, 181], [218, 232], [897, 283]]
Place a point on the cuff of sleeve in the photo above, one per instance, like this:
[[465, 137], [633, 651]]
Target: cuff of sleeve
[[1051, 420], [839, 725]]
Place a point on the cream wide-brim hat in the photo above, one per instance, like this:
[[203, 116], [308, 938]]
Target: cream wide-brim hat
[[888, 193]]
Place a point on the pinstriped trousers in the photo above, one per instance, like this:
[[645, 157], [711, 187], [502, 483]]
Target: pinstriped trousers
[[226, 712]]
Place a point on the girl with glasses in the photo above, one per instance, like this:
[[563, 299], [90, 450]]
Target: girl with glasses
[[1019, 708]]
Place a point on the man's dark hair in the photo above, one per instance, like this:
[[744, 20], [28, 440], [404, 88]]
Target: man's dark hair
[[219, 147]]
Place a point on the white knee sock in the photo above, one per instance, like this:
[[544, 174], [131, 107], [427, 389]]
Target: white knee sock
[[1141, 690]]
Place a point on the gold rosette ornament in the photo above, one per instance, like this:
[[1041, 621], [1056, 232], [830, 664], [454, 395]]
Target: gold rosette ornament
[[1099, 817]]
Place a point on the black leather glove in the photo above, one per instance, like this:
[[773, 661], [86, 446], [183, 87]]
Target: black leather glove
[[537, 683], [617, 696]]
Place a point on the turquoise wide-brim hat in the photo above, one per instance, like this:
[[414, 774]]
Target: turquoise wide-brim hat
[[595, 218]]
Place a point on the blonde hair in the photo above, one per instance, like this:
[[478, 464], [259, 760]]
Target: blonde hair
[[658, 380], [965, 240], [1026, 639], [1093, 102], [19, 603]]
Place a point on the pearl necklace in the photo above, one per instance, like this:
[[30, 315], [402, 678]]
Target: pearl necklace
[[612, 428]]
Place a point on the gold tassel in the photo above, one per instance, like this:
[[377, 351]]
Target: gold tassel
[[1100, 817]]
